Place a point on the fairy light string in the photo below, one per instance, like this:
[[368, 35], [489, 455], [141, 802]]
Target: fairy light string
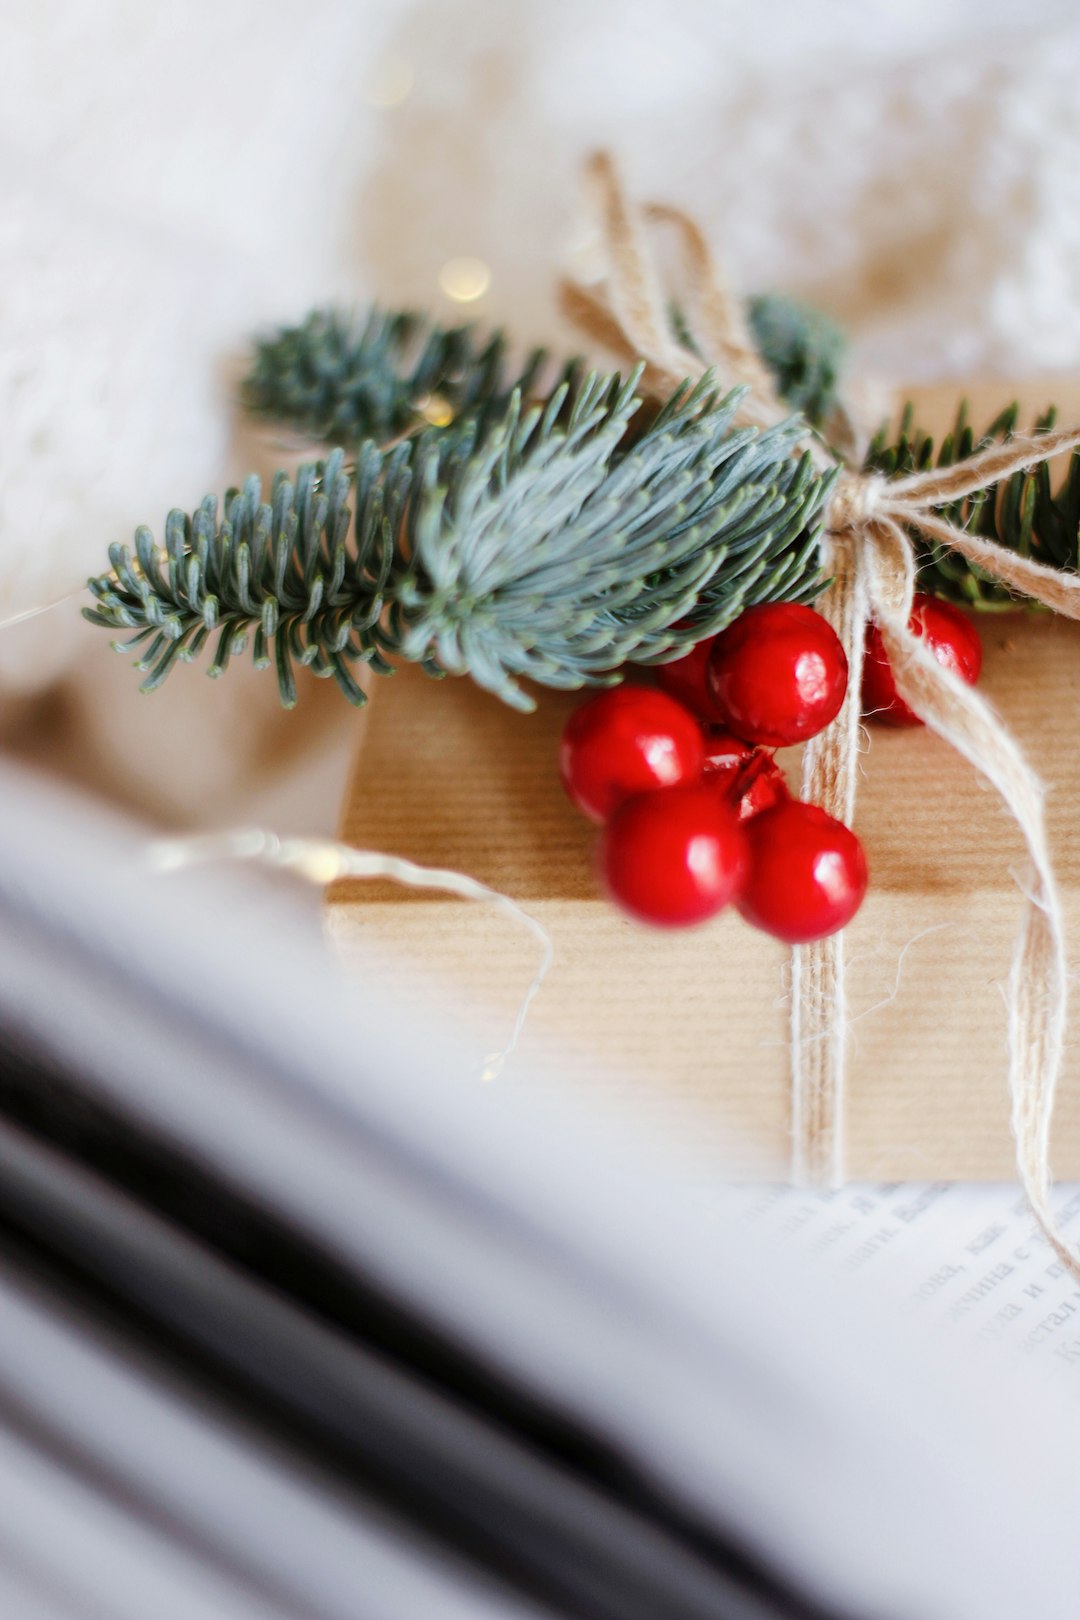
[[322, 861]]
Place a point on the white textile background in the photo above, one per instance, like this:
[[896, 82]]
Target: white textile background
[[173, 176]]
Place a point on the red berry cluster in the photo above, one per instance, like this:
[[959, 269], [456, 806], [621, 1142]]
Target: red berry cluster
[[695, 811]]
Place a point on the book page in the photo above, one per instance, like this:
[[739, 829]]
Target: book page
[[957, 1257]]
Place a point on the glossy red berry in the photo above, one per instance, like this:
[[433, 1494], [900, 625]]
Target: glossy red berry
[[747, 777], [624, 742], [674, 857], [807, 873], [951, 637], [685, 680], [778, 674]]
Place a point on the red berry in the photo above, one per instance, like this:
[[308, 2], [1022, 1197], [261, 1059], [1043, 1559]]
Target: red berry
[[778, 674], [674, 857], [748, 778], [951, 637], [807, 873], [684, 679], [626, 742]]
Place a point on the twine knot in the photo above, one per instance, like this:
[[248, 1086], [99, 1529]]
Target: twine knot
[[854, 503]]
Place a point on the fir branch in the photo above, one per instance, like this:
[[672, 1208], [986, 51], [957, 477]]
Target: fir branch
[[278, 573], [551, 555], [1024, 514], [337, 380], [803, 349], [552, 545], [340, 381]]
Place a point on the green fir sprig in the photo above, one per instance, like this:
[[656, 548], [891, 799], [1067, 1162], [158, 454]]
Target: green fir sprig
[[549, 542], [1024, 513], [803, 348], [339, 380]]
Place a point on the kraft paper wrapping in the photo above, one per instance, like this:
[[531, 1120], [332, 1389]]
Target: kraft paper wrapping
[[691, 1028]]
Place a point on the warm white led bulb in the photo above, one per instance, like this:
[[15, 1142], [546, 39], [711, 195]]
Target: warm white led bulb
[[464, 280], [390, 82]]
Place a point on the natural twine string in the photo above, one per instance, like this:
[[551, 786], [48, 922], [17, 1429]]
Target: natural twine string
[[323, 861], [868, 552]]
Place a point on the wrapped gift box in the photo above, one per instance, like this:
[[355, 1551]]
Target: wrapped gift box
[[692, 1027]]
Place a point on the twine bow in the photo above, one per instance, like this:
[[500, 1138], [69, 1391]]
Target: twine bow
[[869, 554]]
